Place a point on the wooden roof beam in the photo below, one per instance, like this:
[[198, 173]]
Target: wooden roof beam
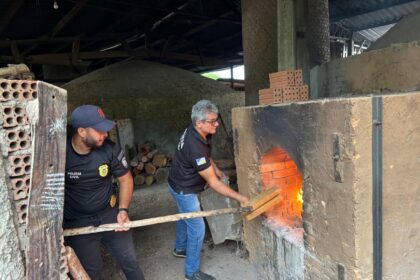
[[189, 32], [179, 12], [8, 15], [66, 58], [69, 16]]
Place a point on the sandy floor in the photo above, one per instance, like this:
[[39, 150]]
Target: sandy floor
[[154, 245]]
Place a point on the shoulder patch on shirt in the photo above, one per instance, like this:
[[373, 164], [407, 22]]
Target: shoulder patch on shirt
[[200, 161]]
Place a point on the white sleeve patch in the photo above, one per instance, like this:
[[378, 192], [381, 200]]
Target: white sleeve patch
[[120, 155], [124, 162], [200, 161]]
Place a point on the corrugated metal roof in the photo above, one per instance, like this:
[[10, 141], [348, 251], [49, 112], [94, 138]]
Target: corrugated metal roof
[[372, 34], [374, 24]]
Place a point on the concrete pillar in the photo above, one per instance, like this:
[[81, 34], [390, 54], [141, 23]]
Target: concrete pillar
[[318, 32], [302, 50], [269, 29], [286, 35], [259, 33]]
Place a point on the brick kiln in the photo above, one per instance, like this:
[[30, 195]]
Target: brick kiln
[[349, 173]]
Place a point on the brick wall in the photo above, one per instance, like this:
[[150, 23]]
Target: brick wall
[[278, 170], [16, 145], [19, 111]]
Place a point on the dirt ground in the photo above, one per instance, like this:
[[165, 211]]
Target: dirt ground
[[154, 245]]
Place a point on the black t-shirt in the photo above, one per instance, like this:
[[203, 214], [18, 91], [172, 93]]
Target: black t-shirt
[[192, 155], [88, 179]]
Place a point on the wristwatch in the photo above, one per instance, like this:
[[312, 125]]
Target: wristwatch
[[123, 209]]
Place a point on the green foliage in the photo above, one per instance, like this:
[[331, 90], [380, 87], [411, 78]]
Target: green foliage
[[210, 76]]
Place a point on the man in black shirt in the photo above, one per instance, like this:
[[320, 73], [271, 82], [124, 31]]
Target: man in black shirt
[[193, 168], [90, 199]]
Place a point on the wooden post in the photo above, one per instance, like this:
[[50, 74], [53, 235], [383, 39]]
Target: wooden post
[[76, 269], [46, 201]]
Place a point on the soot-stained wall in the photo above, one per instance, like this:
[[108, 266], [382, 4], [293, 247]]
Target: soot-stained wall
[[331, 143]]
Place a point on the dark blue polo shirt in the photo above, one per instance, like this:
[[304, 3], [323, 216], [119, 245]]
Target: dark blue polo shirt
[[88, 181], [192, 155]]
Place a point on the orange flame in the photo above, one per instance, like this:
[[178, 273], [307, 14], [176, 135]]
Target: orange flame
[[278, 170], [300, 196]]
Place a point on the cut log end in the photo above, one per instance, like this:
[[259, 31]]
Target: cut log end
[[149, 180], [150, 168], [139, 179]]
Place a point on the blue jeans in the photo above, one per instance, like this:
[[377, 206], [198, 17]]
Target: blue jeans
[[189, 232]]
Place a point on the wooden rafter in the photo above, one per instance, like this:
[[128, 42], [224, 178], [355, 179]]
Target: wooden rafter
[[15, 52], [147, 10], [66, 58], [75, 52], [69, 16], [191, 31], [8, 15]]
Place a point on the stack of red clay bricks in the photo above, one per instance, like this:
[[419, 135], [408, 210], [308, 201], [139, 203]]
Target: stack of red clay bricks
[[285, 86]]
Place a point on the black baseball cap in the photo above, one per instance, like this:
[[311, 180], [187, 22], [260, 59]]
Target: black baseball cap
[[91, 116]]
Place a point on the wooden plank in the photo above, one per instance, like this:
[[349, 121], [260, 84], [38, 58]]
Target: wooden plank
[[266, 206], [45, 208], [264, 197]]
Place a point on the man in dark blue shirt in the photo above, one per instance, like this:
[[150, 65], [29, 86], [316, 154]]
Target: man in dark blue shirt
[[193, 168], [90, 199]]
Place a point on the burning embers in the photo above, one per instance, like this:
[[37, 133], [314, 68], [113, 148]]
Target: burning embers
[[278, 170]]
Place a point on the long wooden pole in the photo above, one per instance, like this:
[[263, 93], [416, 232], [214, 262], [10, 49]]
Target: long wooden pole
[[153, 221]]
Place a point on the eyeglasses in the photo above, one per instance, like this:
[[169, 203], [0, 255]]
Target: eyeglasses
[[212, 122]]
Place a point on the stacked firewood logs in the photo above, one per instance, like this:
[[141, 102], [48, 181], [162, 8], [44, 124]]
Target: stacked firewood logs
[[150, 165]]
